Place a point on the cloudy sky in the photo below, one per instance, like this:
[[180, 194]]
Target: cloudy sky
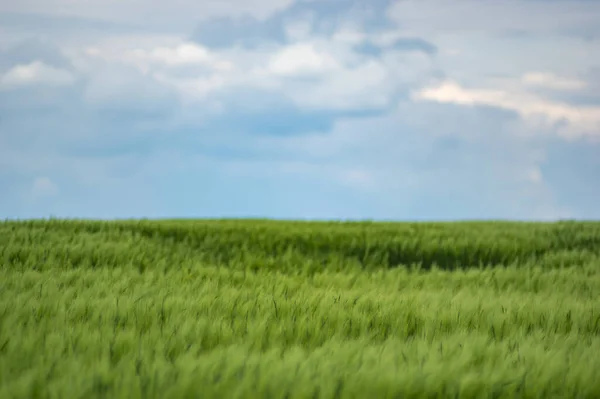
[[303, 109]]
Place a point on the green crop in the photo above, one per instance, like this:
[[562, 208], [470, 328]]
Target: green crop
[[261, 309]]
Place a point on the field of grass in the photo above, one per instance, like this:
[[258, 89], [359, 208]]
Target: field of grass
[[260, 309]]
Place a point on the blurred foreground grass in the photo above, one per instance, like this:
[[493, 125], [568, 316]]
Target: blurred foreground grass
[[260, 309]]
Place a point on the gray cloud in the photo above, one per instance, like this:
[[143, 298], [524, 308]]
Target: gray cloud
[[175, 15], [322, 19], [414, 44], [588, 95], [578, 17], [407, 44], [31, 50], [223, 32], [124, 91]]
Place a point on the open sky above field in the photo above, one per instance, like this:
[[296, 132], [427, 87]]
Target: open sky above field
[[300, 109]]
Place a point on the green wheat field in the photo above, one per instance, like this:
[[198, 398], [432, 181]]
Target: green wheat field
[[271, 309]]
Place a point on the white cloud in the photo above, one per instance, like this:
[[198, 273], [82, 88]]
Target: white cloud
[[343, 79], [338, 77], [43, 187], [301, 59], [190, 69], [181, 55], [36, 73], [193, 89], [148, 57], [581, 121], [551, 81]]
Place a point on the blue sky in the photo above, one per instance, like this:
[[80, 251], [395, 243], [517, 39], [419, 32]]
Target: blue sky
[[300, 109]]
